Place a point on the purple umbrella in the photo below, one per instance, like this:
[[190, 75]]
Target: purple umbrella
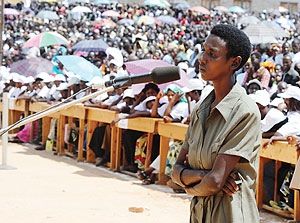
[[146, 66], [32, 66]]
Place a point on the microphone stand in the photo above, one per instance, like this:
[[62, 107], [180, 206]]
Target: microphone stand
[[56, 108]]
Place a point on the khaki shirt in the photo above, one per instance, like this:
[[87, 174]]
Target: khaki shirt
[[232, 127]]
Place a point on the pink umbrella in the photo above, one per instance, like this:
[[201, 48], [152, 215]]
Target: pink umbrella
[[111, 13], [104, 22], [146, 66], [10, 11], [200, 9]]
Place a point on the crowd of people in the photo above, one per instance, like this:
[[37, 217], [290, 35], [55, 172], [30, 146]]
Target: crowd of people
[[270, 77]]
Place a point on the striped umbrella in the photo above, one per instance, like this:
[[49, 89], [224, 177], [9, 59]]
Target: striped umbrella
[[46, 39], [32, 66], [90, 46], [146, 20]]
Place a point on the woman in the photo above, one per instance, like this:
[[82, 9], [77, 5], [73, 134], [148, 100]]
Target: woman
[[218, 161]]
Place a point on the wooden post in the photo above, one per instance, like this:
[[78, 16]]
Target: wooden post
[[80, 141], [163, 152], [113, 149], [118, 149], [45, 128], [60, 135], [90, 156]]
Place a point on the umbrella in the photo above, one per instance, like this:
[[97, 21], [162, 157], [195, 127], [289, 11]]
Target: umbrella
[[32, 66], [159, 3], [111, 13], [79, 1], [90, 46], [248, 20], [105, 23], [81, 9], [262, 33], [102, 2], [146, 66], [47, 15], [167, 19], [146, 20], [282, 9], [221, 8], [279, 32], [200, 9], [10, 11], [80, 66], [183, 5], [236, 9], [46, 39], [126, 22], [285, 23]]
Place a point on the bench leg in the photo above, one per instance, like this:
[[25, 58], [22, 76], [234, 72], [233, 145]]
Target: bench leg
[[296, 206], [80, 141], [90, 156], [163, 152]]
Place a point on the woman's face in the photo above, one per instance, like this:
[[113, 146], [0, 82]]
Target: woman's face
[[149, 104], [253, 88], [151, 92], [278, 77], [277, 68], [170, 94]]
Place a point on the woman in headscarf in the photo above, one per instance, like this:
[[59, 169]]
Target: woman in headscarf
[[197, 51]]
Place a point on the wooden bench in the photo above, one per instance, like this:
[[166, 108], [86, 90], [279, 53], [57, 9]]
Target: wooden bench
[[143, 124], [280, 152], [166, 132], [94, 116]]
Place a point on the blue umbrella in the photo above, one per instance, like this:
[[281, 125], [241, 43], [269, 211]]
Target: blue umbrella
[[90, 46], [78, 65], [102, 2], [236, 9], [183, 6], [126, 22], [167, 19]]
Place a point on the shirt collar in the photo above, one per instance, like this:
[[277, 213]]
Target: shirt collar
[[229, 101]]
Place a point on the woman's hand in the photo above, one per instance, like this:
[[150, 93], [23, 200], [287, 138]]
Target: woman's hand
[[268, 143], [294, 140], [160, 95], [114, 122], [167, 119], [177, 97], [230, 186]]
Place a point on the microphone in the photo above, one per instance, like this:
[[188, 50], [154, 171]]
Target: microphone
[[158, 75]]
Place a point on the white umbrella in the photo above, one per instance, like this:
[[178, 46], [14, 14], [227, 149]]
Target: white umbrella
[[80, 9], [263, 33], [249, 20]]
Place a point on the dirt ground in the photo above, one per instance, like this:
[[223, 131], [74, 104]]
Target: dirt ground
[[43, 187]]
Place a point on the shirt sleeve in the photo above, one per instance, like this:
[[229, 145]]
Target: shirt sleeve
[[265, 79], [244, 137]]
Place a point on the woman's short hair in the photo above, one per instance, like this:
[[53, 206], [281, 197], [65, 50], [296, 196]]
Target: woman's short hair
[[237, 42]]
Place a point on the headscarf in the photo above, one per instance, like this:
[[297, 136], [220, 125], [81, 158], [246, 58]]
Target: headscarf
[[194, 55], [176, 89]]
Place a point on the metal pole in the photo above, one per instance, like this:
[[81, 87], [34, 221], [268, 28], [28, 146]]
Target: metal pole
[[1, 31], [4, 124], [64, 106]]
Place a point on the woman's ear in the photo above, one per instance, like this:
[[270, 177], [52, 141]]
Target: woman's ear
[[236, 62]]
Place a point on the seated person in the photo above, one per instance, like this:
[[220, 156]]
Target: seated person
[[292, 127]]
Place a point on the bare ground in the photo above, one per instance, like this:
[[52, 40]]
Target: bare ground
[[43, 187]]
